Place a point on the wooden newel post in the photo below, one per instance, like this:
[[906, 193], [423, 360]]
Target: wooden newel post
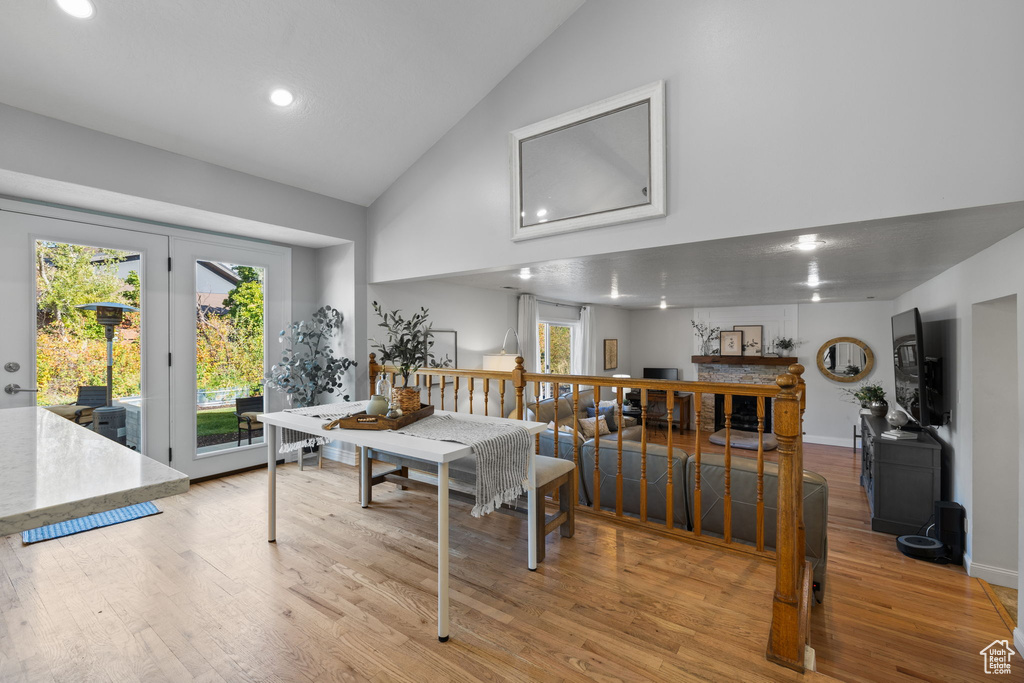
[[797, 371], [786, 642], [519, 382], [374, 370]]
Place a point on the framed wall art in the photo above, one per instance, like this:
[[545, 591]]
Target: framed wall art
[[753, 344], [732, 343], [611, 354]]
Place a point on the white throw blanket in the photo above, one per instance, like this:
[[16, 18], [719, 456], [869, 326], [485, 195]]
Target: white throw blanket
[[292, 440], [502, 454]]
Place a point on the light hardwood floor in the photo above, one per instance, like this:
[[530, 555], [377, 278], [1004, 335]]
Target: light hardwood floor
[[197, 593]]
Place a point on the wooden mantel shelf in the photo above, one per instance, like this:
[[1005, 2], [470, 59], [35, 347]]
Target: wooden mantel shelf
[[742, 360]]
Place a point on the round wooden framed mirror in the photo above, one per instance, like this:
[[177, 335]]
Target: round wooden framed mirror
[[845, 359]]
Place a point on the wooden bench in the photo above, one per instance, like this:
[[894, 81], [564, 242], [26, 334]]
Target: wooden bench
[[553, 474]]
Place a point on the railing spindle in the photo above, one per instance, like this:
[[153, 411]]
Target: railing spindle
[[597, 457], [670, 396], [760, 472], [576, 425], [487, 396], [618, 466], [518, 384], [643, 455], [455, 394], [727, 498], [698, 401]]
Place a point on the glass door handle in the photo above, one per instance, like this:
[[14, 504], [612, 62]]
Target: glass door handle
[[16, 389]]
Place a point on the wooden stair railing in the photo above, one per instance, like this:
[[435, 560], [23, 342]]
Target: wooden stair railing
[[789, 635]]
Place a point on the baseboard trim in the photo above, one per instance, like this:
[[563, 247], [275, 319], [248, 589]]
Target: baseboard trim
[[996, 575], [829, 440], [342, 452]]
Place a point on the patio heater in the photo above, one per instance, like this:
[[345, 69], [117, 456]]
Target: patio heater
[[109, 420]]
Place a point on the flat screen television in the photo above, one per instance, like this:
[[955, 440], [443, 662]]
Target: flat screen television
[[912, 391], [661, 373]]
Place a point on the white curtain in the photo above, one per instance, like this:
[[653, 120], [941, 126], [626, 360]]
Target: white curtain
[[583, 344], [528, 322]]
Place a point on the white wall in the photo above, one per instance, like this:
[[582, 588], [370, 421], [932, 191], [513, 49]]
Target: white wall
[[991, 274], [341, 283], [779, 116], [49, 160], [996, 435], [831, 415], [480, 316], [662, 339]]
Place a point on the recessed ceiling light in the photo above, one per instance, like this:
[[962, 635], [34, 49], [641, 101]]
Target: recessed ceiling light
[[281, 97], [816, 297], [542, 213], [812, 274], [663, 305], [809, 245], [525, 273], [80, 9]]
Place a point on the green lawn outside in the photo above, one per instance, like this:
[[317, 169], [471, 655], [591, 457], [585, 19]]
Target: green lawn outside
[[216, 421]]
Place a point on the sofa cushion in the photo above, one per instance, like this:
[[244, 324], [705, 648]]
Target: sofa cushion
[[607, 412], [588, 425], [657, 478], [744, 504]]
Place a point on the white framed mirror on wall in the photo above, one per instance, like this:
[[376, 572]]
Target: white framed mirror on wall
[[599, 165]]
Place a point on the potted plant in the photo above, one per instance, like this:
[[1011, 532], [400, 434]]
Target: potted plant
[[784, 344], [707, 334], [871, 396], [308, 364], [407, 349]]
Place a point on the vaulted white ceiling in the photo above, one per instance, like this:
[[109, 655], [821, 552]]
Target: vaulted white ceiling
[[377, 82]]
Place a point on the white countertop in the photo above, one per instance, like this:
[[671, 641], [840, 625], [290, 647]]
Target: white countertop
[[384, 439], [52, 470]]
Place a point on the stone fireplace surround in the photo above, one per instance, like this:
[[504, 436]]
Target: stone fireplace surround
[[736, 370]]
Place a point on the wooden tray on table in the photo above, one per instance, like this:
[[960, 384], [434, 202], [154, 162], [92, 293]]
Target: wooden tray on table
[[379, 422]]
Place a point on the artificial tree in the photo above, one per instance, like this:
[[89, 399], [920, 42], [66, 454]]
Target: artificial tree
[[309, 365]]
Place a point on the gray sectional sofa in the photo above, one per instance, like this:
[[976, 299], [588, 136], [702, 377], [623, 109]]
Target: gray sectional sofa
[[743, 485]]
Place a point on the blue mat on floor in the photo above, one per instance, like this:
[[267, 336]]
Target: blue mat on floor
[[74, 526]]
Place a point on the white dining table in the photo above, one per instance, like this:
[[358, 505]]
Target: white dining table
[[55, 470], [440, 453]]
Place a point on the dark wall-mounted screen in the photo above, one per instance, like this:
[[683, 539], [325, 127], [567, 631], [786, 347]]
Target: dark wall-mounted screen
[[661, 373], [908, 360]]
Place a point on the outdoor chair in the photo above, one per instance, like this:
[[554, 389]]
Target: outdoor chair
[[80, 412], [247, 410]]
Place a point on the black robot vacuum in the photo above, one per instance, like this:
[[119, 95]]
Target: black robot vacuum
[[922, 548]]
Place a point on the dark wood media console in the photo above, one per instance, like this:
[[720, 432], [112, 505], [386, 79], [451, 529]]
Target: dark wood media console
[[902, 478]]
